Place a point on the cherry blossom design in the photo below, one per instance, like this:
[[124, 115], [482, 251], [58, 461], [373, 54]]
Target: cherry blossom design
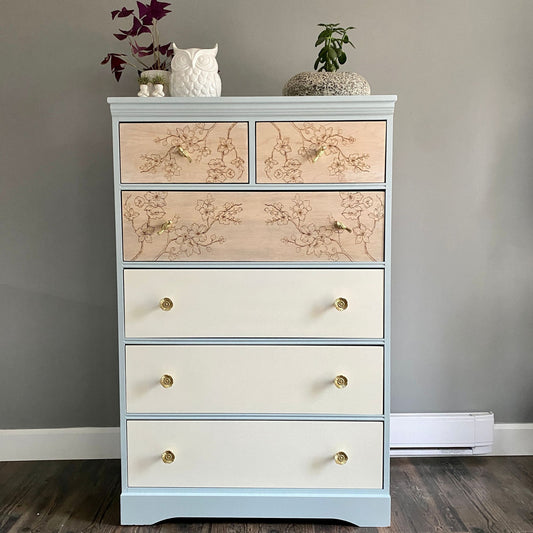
[[284, 163], [191, 141], [360, 211], [152, 223]]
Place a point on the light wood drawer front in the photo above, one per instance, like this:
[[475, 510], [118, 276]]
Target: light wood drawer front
[[253, 226], [284, 454], [321, 152], [255, 379], [254, 303], [178, 152]]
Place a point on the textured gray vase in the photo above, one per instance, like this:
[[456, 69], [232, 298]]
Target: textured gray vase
[[326, 83]]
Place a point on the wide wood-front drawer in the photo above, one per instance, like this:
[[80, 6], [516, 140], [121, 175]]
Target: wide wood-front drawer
[[253, 226], [321, 152], [253, 303], [283, 454], [180, 152], [255, 379]]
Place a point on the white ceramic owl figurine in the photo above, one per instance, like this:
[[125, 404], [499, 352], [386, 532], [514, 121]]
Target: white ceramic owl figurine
[[195, 72]]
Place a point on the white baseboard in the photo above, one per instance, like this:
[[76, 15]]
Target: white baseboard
[[60, 443], [104, 443], [513, 439]]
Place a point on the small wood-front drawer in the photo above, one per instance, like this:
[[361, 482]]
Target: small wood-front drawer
[[253, 226], [321, 152], [255, 379], [282, 454], [329, 303], [179, 152]]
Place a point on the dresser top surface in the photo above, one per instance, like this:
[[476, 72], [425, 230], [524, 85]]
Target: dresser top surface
[[253, 105], [373, 98]]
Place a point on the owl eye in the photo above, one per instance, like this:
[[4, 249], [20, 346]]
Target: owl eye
[[181, 60], [206, 62]]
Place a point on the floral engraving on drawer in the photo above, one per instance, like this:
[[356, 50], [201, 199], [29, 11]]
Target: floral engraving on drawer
[[321, 152], [173, 242], [332, 240], [184, 153], [253, 226]]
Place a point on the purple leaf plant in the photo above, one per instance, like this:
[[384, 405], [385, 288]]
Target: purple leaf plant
[[150, 56]]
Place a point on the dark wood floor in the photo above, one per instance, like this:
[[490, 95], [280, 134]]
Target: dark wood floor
[[470, 494]]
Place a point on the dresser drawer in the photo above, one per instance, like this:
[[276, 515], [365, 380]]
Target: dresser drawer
[[321, 152], [283, 454], [255, 379], [181, 152], [253, 226], [253, 303]]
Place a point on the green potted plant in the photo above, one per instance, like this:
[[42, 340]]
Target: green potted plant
[[157, 79], [327, 80], [157, 82], [144, 90], [331, 55]]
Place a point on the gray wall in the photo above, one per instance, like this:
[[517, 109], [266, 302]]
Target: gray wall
[[463, 190]]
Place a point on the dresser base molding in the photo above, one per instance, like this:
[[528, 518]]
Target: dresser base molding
[[146, 508]]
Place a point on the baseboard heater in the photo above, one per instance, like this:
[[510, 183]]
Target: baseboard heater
[[441, 434]]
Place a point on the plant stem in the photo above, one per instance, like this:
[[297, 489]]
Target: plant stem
[[328, 45], [144, 66], [155, 37], [136, 67]]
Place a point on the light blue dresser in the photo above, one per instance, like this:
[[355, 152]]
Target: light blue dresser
[[253, 276]]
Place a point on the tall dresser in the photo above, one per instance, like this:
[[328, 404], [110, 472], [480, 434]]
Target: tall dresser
[[253, 270]]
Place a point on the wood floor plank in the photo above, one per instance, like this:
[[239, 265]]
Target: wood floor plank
[[424, 510], [475, 494], [429, 495], [401, 486], [11, 493], [100, 499], [505, 493], [450, 478], [520, 494], [433, 482]]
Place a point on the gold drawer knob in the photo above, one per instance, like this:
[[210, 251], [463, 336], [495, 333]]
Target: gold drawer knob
[[340, 382], [339, 225], [319, 153], [340, 304], [166, 381], [165, 226], [184, 153], [167, 457], [166, 304], [341, 458]]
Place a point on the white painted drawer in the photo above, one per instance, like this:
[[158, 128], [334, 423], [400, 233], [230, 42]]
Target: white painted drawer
[[224, 453], [254, 303], [254, 379]]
